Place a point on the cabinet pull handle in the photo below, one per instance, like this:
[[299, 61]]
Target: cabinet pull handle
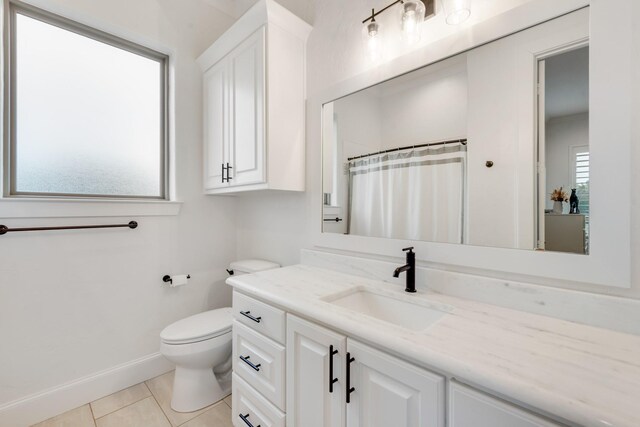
[[223, 168], [349, 388], [245, 359], [332, 380], [248, 315], [228, 174], [246, 421]]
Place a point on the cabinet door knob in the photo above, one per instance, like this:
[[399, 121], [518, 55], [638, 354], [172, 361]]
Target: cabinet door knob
[[223, 168], [228, 174], [332, 380]]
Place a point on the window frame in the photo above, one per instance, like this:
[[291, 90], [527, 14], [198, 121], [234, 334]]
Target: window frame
[[14, 7], [574, 151]]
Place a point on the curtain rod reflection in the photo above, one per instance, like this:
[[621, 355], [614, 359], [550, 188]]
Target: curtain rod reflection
[[431, 144]]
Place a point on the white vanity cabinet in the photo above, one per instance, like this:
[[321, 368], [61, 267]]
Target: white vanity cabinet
[[253, 103], [315, 375], [471, 408], [258, 363], [290, 369], [334, 381], [390, 392]]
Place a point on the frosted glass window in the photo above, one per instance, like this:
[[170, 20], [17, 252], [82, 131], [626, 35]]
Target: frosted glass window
[[88, 112]]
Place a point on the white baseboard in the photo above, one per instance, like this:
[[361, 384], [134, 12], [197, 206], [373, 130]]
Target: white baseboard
[[46, 404]]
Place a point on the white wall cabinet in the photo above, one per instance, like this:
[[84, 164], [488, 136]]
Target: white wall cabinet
[[254, 96], [216, 92], [471, 408]]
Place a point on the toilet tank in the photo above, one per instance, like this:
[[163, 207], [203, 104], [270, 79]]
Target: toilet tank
[[248, 266]]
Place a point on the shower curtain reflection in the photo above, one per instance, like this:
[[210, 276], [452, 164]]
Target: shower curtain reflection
[[417, 194]]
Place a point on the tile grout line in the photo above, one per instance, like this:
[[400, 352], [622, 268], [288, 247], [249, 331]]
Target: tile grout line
[[92, 415], [125, 406], [166, 417], [210, 407]]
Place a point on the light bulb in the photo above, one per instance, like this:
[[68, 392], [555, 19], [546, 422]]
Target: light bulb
[[456, 11], [412, 15], [371, 38]]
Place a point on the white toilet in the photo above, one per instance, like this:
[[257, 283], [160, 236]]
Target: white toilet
[[200, 347]]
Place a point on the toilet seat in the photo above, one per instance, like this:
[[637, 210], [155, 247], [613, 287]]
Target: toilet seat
[[199, 327]]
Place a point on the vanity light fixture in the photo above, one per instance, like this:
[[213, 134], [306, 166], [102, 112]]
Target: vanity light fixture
[[456, 11], [412, 14], [371, 36]]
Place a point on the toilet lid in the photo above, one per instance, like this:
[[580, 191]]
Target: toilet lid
[[198, 327]]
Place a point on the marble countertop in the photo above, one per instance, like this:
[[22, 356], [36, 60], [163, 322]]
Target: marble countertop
[[585, 375]]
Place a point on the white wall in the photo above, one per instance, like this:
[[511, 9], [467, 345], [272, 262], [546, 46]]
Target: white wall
[[73, 303], [359, 123], [427, 109], [562, 133], [335, 54]]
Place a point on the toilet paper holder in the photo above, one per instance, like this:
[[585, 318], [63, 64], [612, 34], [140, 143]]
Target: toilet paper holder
[[168, 279]]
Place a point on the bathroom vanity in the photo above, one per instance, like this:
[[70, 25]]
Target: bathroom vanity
[[314, 347]]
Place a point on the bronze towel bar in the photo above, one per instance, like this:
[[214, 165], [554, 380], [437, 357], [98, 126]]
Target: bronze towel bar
[[4, 229]]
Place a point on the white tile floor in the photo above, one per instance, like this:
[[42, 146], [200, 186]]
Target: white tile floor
[[144, 405]]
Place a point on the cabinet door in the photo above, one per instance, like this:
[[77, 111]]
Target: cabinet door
[[471, 408], [247, 68], [310, 402], [216, 124], [390, 392]]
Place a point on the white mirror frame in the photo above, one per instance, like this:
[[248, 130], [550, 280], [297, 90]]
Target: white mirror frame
[[609, 261]]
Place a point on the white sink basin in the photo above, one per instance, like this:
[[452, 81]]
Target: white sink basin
[[415, 316]]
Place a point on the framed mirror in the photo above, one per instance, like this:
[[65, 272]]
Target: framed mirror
[[438, 155], [504, 132]]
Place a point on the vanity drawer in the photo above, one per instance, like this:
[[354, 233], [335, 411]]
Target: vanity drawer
[[260, 362], [255, 408], [259, 316]]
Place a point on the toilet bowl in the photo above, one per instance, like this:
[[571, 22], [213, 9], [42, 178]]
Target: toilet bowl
[[200, 347]]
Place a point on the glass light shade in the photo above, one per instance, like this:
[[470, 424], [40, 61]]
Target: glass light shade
[[371, 39], [456, 11], [412, 15]]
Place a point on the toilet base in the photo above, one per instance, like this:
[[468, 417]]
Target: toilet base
[[195, 389]]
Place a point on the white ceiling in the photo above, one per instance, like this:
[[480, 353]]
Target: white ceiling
[[235, 8], [567, 84]]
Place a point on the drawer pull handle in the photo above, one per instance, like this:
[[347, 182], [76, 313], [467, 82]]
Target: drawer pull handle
[[248, 314], [332, 380], [246, 421], [245, 359], [349, 388]]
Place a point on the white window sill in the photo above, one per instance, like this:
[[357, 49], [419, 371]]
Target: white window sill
[[70, 208]]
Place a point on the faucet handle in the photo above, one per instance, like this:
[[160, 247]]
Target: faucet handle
[[408, 249]]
